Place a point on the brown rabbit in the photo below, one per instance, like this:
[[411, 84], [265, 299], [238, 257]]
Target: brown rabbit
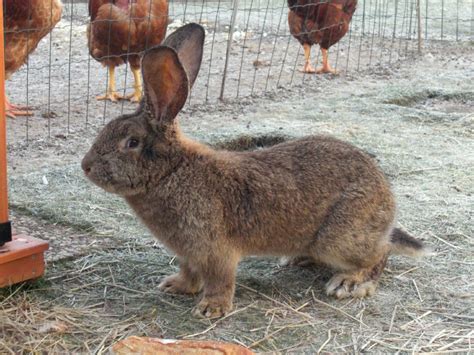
[[315, 197]]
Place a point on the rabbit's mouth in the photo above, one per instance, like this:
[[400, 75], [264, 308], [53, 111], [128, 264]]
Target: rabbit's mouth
[[104, 182], [98, 174], [116, 185]]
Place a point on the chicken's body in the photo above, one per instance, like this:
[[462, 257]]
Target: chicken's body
[[319, 21], [119, 31], [26, 22]]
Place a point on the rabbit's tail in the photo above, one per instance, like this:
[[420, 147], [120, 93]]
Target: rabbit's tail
[[403, 243]]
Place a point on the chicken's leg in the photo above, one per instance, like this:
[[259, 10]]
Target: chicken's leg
[[111, 93], [13, 111], [325, 68], [137, 94], [308, 68]]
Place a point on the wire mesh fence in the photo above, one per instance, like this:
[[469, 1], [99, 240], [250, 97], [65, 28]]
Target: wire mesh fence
[[249, 50]]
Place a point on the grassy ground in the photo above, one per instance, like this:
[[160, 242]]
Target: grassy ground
[[103, 268]]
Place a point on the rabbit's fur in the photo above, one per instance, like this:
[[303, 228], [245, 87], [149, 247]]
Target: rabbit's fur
[[315, 197]]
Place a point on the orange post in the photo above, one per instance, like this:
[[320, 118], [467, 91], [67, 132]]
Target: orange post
[[3, 134], [22, 258], [5, 226]]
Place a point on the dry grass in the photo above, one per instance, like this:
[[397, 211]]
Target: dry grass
[[104, 287], [87, 304], [29, 325]]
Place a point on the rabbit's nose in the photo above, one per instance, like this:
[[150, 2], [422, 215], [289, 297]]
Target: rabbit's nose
[[86, 165]]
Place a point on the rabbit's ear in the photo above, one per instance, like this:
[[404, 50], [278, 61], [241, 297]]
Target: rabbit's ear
[[170, 70], [166, 83], [188, 42]]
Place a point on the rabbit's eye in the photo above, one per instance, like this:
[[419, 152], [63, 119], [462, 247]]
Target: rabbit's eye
[[132, 143]]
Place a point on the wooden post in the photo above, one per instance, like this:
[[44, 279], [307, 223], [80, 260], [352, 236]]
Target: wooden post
[[229, 46], [418, 14], [22, 258], [3, 134]]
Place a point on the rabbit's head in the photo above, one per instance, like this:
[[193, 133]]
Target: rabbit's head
[[133, 150]]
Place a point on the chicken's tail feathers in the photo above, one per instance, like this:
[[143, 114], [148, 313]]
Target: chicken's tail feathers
[[292, 3], [350, 7], [403, 243]]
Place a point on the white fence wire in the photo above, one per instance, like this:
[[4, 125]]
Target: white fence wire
[[61, 80]]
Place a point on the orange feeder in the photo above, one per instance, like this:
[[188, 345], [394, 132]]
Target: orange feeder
[[21, 256]]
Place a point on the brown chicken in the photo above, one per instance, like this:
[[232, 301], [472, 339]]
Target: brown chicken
[[319, 21], [26, 22], [119, 31]]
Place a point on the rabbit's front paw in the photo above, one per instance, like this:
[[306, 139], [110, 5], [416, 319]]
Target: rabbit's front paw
[[214, 307], [177, 284]]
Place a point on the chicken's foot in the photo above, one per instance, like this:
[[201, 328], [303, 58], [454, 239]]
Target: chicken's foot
[[137, 94], [111, 93], [308, 68], [326, 67], [12, 110]]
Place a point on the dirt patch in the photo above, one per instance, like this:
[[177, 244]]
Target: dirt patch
[[457, 102], [65, 241], [244, 143], [461, 103]]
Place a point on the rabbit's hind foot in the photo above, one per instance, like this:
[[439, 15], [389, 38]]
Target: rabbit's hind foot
[[349, 285], [358, 284], [302, 261]]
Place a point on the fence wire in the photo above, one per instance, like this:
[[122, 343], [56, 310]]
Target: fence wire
[[248, 50]]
